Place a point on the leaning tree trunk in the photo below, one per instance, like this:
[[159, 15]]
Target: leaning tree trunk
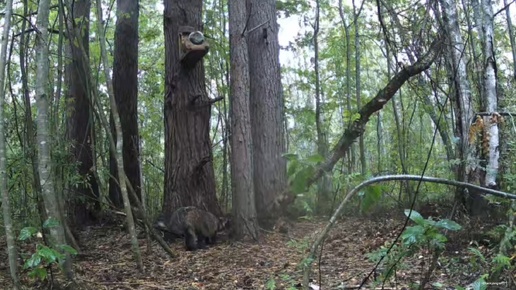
[[189, 175], [6, 206], [241, 140], [125, 86], [80, 125], [270, 176], [43, 139]]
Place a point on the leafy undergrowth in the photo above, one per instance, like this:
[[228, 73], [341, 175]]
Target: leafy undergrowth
[[106, 260]]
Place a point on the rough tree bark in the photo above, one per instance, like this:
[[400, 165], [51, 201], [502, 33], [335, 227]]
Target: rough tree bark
[[125, 86], [80, 127], [270, 174], [189, 175], [244, 210]]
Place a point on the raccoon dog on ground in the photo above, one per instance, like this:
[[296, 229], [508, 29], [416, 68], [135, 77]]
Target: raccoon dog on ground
[[198, 226]]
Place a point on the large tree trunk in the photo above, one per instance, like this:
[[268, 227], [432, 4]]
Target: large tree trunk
[[80, 120], [241, 140], [270, 177], [189, 175], [125, 86]]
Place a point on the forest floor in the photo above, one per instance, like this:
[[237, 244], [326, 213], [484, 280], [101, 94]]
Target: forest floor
[[106, 260]]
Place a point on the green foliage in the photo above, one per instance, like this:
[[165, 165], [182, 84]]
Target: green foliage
[[288, 282], [44, 257], [424, 235], [370, 196], [299, 245]]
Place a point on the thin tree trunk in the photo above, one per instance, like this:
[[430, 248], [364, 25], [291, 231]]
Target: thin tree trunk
[[30, 142], [511, 36], [358, 89], [119, 142], [324, 185], [6, 205], [351, 155], [44, 162], [241, 138]]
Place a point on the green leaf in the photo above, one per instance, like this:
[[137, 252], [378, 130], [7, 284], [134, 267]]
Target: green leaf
[[26, 233], [50, 223], [448, 224], [301, 179], [291, 156], [39, 273], [315, 159], [293, 167], [412, 235], [33, 261], [415, 216], [68, 249], [271, 284], [371, 196], [477, 253], [480, 284], [50, 255]]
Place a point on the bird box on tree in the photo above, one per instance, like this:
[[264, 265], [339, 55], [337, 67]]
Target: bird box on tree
[[192, 46]]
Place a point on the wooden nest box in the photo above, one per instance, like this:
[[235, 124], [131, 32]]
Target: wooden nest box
[[192, 46]]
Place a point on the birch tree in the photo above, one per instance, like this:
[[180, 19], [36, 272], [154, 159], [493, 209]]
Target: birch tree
[[490, 97], [6, 206], [466, 171]]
